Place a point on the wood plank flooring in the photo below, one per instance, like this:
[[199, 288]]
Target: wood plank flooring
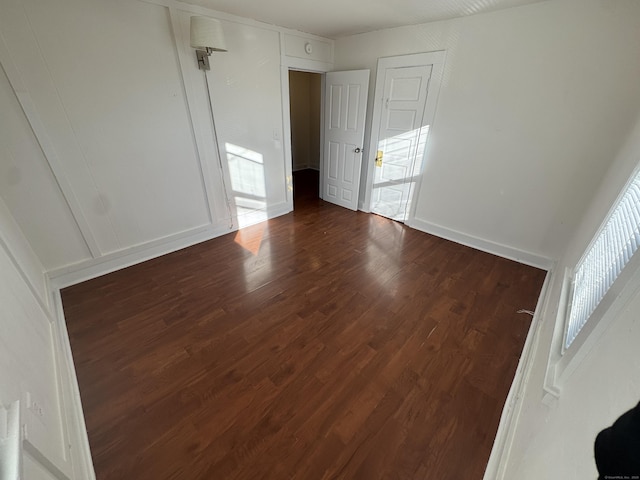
[[323, 344]]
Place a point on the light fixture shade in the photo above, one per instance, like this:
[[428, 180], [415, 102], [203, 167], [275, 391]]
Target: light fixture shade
[[206, 33]]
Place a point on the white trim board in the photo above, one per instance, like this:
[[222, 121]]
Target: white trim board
[[46, 146], [299, 168], [72, 423], [4, 244], [287, 64], [92, 268], [286, 125], [481, 244], [513, 405], [76, 429], [189, 99], [202, 148]]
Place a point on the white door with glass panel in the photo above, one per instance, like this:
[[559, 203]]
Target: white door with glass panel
[[344, 115], [402, 136]]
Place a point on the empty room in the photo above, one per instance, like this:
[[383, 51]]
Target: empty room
[[261, 240]]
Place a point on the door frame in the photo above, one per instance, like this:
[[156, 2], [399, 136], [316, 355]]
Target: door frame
[[436, 60], [300, 66]]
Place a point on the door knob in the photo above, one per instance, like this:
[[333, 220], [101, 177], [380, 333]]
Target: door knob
[[358, 150]]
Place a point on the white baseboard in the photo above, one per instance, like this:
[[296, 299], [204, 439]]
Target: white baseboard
[[278, 210], [254, 217], [96, 267], [298, 168], [501, 450], [73, 414], [488, 246]]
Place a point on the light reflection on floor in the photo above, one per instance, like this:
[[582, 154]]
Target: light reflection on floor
[[250, 238]]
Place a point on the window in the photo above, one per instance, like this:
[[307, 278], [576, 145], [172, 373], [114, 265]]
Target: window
[[610, 251]]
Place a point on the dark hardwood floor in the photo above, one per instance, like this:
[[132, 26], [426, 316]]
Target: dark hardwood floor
[[322, 344], [305, 186]]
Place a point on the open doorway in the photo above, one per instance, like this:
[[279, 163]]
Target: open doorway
[[305, 103]]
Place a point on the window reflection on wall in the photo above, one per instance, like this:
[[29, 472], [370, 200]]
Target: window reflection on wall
[[395, 179], [248, 185]]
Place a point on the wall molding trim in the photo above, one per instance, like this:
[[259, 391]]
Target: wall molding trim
[[305, 166], [111, 262], [189, 99], [77, 457], [46, 146], [28, 281], [75, 426], [501, 449], [255, 217], [488, 246]]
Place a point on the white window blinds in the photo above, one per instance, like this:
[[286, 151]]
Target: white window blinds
[[611, 250]]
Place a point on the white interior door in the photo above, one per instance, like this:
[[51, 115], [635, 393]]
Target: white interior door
[[344, 115], [402, 136]]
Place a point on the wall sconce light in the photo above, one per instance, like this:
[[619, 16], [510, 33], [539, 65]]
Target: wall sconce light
[[206, 37]]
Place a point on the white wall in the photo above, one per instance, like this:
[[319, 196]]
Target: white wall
[[104, 80], [30, 190], [29, 355], [247, 104], [108, 154], [535, 101], [107, 157], [19, 250], [556, 441], [536, 131], [604, 386]]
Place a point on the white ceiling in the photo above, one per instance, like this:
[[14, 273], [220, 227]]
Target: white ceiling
[[339, 18]]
